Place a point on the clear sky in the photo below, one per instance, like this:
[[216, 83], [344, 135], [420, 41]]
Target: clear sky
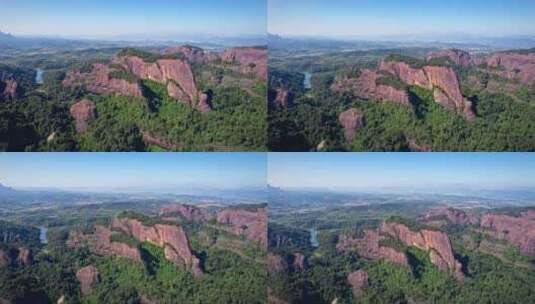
[[127, 17], [112, 170], [378, 170], [406, 17]]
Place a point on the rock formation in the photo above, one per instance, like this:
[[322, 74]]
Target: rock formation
[[442, 80], [519, 231], [8, 88], [21, 256], [102, 245], [192, 53], [88, 277], [189, 212], [455, 216], [437, 243], [250, 223], [82, 111], [170, 237], [275, 263], [358, 281], [280, 97], [250, 60], [368, 247], [351, 120], [459, 57], [368, 85], [514, 65], [299, 261]]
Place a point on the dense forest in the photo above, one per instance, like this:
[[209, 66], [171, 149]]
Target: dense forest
[[39, 118], [504, 116]]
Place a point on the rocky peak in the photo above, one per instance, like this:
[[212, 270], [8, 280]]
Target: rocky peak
[[247, 222], [9, 89], [88, 277], [455, 216], [251, 60], [191, 53], [102, 244], [351, 120], [82, 111], [459, 57]]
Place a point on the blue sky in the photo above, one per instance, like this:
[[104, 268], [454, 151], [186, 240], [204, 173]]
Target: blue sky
[[407, 17], [112, 170], [378, 170], [127, 17]]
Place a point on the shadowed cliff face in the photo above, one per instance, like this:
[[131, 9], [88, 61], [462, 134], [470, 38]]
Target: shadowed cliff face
[[170, 237], [513, 65], [251, 224], [21, 256], [250, 60], [519, 231]]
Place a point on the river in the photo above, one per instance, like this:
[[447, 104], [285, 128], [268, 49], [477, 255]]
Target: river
[[314, 237], [42, 234], [39, 76], [307, 82]]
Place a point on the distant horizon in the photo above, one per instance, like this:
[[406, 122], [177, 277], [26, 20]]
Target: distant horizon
[[100, 18], [392, 18]]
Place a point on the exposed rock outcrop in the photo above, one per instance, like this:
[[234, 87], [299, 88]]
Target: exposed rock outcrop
[[250, 223], [192, 53], [368, 247], [351, 120], [519, 231], [455, 216], [189, 212], [102, 245], [280, 97], [251, 60], [299, 261], [8, 88], [459, 57], [21, 256], [82, 112], [88, 278], [275, 263], [437, 243], [24, 256], [514, 65], [358, 281], [170, 237], [366, 86], [442, 80]]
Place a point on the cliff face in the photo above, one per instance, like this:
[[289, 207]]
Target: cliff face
[[192, 54], [358, 281], [250, 60], [436, 243], [21, 256], [251, 224], [82, 111], [514, 66], [280, 97], [442, 80], [351, 120], [458, 56], [455, 216], [88, 277], [189, 212], [9, 89], [104, 246], [170, 237], [368, 247], [519, 231], [365, 86]]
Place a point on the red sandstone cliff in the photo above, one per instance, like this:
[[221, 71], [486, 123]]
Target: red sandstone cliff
[[250, 223], [192, 53], [437, 243], [519, 231], [358, 281], [460, 57], [455, 216], [9, 89], [442, 80], [189, 212], [514, 65], [82, 111], [88, 277], [171, 237], [102, 245], [351, 120], [251, 60], [21, 256]]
